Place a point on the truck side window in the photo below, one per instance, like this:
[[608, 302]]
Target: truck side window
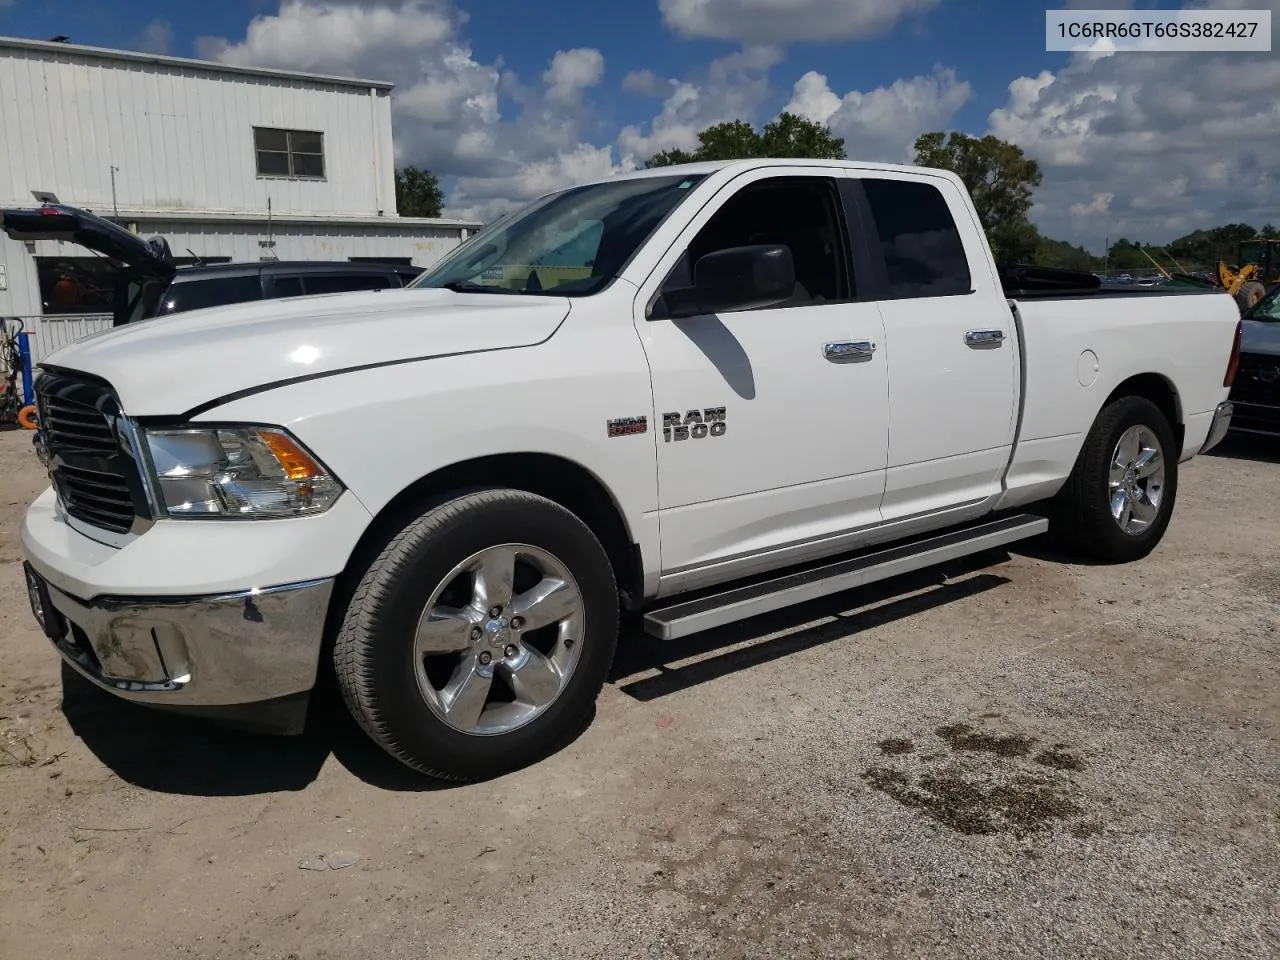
[[344, 283], [214, 292], [801, 212], [923, 253]]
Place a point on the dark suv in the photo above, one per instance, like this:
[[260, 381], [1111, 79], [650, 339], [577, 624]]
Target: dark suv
[[149, 284]]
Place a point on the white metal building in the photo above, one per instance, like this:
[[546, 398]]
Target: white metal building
[[225, 162]]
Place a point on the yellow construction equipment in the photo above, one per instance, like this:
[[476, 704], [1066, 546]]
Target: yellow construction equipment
[[1258, 272]]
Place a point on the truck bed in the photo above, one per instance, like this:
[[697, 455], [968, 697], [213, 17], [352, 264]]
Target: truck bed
[[1026, 282]]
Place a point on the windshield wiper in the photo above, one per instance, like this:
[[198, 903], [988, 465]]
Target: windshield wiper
[[465, 286]]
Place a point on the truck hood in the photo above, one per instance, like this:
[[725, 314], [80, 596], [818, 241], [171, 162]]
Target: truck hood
[[1259, 336], [171, 365]]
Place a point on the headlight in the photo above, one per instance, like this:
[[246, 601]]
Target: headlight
[[246, 472]]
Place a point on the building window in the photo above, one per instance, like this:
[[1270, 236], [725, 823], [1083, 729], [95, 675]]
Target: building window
[[289, 153]]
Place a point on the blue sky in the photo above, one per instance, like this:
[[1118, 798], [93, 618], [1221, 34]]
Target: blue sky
[[507, 99]]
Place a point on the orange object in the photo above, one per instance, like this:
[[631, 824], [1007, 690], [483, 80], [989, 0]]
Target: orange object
[[27, 418], [297, 465]]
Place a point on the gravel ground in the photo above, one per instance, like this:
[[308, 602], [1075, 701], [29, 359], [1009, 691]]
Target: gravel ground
[[1016, 756]]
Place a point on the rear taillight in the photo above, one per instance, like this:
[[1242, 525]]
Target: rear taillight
[[1234, 363]]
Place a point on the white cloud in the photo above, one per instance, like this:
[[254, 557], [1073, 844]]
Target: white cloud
[[732, 87], [571, 72], [1175, 140], [1098, 206], [447, 107], [882, 124], [646, 83], [783, 21], [156, 37]]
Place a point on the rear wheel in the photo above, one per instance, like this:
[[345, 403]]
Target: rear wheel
[[1118, 500], [480, 637]]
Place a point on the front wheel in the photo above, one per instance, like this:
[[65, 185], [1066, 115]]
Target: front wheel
[[1118, 500], [480, 637]]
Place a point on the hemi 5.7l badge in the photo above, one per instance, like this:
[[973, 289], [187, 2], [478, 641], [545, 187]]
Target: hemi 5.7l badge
[[627, 426], [694, 424]]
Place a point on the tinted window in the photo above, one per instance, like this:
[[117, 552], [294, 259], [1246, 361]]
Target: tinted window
[[76, 284], [284, 286], [923, 254], [343, 282], [215, 292], [798, 212]]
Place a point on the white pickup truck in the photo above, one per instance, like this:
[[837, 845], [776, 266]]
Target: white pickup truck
[[690, 395]]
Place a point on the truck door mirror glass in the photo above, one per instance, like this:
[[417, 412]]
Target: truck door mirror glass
[[736, 278]]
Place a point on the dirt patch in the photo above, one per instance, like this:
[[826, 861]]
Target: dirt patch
[[1019, 807], [895, 746], [961, 736], [1057, 758]]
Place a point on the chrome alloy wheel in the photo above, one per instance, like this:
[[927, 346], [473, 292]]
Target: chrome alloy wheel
[[499, 639], [1136, 481]]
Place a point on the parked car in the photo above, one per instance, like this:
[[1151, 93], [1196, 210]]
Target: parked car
[[761, 382], [1256, 392], [150, 284]]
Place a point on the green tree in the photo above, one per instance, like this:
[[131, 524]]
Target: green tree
[[1000, 179], [418, 193], [1059, 253], [788, 136]]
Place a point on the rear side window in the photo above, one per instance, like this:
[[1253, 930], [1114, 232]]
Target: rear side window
[[343, 282], [215, 292], [285, 286], [923, 253]]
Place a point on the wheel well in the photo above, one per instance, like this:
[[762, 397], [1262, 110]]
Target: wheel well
[[1157, 389], [567, 483]]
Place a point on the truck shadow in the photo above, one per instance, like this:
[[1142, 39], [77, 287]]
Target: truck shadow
[[888, 601], [168, 753]]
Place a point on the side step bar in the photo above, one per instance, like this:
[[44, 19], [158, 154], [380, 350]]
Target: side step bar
[[704, 613]]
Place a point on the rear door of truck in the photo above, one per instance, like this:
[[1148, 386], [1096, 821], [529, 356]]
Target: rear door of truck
[[950, 340]]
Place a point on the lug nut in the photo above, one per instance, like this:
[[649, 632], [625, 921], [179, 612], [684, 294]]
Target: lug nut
[[495, 612], [486, 658], [476, 633], [517, 623], [510, 651]]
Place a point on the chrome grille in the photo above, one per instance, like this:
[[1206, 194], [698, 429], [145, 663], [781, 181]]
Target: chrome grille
[[92, 467]]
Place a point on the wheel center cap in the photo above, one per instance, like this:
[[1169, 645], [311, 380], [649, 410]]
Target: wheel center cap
[[1130, 477], [497, 631]]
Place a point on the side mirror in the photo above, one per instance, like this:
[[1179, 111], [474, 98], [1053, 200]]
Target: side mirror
[[736, 278]]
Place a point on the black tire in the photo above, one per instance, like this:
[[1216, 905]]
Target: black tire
[[1083, 518], [1250, 292], [373, 651]]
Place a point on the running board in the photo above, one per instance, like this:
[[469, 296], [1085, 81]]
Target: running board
[[704, 613]]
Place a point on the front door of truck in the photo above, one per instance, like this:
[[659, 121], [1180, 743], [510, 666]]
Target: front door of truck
[[772, 423]]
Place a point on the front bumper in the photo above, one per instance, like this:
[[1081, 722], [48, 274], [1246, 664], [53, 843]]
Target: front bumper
[[1221, 424], [224, 653]]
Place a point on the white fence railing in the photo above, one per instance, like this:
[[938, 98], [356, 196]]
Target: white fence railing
[[48, 334]]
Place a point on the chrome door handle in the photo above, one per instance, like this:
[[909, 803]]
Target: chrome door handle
[[984, 339], [855, 351]]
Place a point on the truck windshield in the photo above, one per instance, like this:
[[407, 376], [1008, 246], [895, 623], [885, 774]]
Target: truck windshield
[[571, 243]]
